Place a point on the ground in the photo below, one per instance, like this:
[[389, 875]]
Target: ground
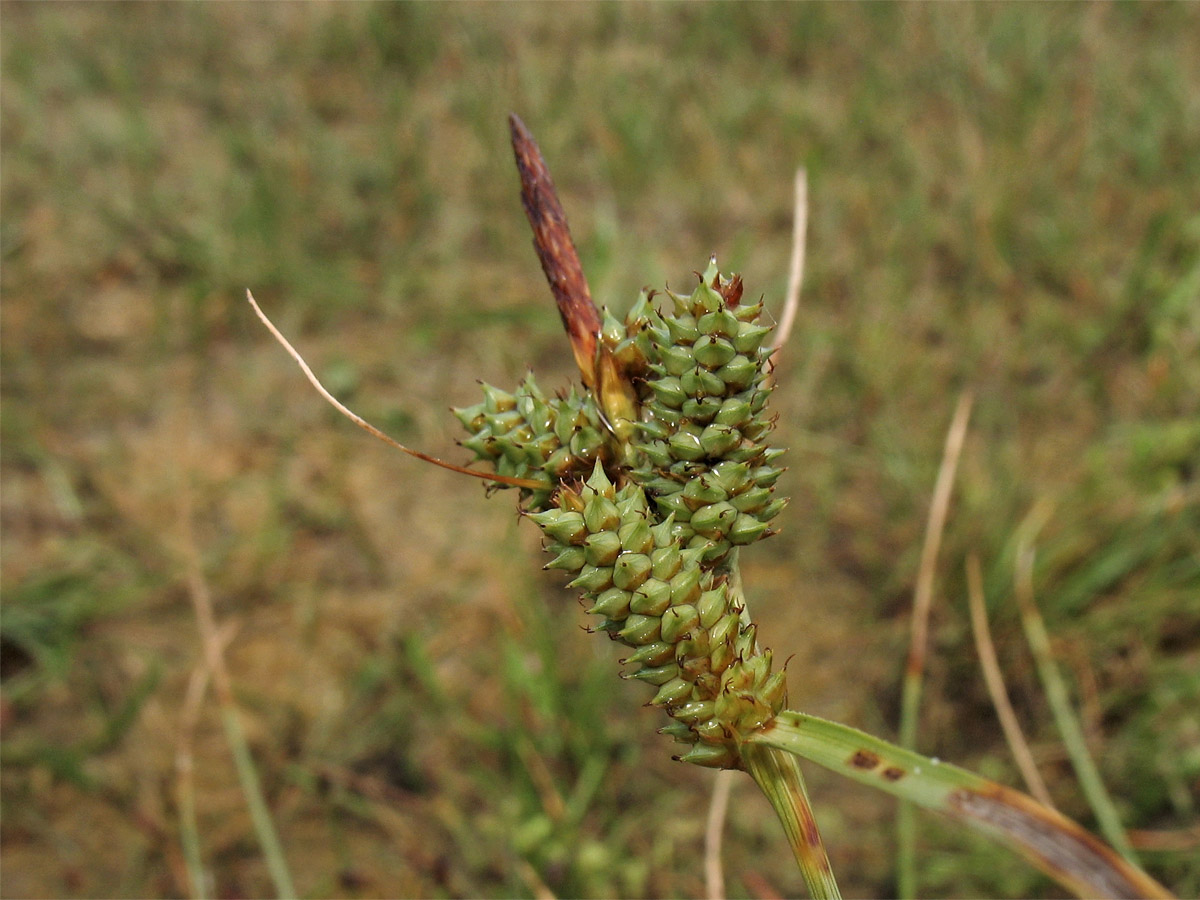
[[1003, 199]]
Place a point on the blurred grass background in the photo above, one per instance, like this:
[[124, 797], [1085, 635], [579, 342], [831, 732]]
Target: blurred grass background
[[1002, 197]]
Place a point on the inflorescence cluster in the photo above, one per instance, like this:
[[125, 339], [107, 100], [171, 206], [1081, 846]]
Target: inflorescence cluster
[[652, 480]]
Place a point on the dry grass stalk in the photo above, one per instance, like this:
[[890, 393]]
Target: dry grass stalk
[[714, 871], [791, 301], [363, 423], [994, 679], [914, 669]]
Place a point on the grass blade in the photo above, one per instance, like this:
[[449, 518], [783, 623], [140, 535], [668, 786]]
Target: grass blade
[[264, 827], [1059, 699], [1053, 843]]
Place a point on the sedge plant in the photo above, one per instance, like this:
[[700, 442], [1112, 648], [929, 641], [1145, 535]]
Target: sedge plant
[[647, 481]]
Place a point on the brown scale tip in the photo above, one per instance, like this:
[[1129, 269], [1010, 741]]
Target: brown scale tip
[[730, 291], [556, 250]]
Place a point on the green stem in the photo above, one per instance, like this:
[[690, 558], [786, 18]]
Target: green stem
[[259, 814], [778, 775], [906, 824], [1050, 841], [189, 836], [1058, 696]]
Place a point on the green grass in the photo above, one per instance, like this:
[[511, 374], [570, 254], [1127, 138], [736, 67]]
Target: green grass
[[1002, 197]]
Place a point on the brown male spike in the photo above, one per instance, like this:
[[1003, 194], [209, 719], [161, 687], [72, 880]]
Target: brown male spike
[[598, 368], [556, 250]]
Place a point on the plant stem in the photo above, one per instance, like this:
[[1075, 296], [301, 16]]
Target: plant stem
[[989, 663], [1050, 841], [1058, 696], [906, 826], [914, 671], [778, 775], [264, 828]]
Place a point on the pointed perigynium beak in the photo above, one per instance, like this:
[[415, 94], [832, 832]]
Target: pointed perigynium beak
[[556, 250]]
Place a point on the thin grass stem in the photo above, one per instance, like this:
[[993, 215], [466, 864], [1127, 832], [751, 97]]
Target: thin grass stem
[[914, 671], [260, 815], [994, 679], [185, 771], [714, 873], [212, 646], [791, 301], [185, 781], [1058, 696], [264, 828], [540, 890]]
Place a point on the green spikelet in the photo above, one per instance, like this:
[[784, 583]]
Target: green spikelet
[[526, 435], [700, 445], [663, 600]]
